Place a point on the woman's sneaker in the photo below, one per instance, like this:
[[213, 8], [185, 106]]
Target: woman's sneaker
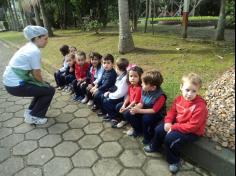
[[27, 112], [90, 103], [174, 168], [121, 124], [35, 120]]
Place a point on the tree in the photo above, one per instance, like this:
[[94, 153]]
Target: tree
[[16, 16], [37, 14], [11, 15], [221, 22], [46, 22], [147, 15], [126, 43]]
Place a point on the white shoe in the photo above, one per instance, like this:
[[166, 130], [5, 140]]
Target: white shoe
[[90, 103], [27, 112], [130, 132], [35, 120], [84, 100], [121, 124]]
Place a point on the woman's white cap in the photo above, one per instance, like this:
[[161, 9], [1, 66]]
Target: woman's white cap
[[34, 31]]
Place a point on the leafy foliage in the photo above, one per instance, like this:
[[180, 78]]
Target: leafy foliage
[[230, 12]]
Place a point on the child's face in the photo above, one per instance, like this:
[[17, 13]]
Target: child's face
[[80, 60], [189, 91], [118, 71], [148, 87], [133, 77], [72, 50], [70, 61], [107, 65], [95, 61]]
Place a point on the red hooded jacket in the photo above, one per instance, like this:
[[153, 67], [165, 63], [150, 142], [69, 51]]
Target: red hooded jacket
[[188, 116]]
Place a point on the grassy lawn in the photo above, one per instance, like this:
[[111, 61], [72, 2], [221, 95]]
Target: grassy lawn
[[152, 52]]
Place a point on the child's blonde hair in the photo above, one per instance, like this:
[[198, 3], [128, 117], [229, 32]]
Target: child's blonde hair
[[192, 78]]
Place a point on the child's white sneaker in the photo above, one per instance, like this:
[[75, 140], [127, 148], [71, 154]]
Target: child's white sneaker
[[85, 100], [130, 132], [35, 120], [90, 103], [121, 124]]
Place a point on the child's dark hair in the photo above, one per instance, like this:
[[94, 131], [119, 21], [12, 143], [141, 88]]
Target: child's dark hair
[[122, 64], [64, 50], [138, 70], [154, 78], [108, 57], [95, 55], [81, 54]]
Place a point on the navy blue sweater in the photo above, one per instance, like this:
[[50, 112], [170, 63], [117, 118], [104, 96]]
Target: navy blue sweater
[[107, 81]]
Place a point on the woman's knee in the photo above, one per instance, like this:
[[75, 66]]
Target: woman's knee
[[51, 90]]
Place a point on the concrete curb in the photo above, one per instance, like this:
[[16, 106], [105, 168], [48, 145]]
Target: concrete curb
[[204, 154]]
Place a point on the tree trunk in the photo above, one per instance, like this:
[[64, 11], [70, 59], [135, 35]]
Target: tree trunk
[[60, 14], [147, 15], [126, 42], [185, 18], [65, 10], [22, 14], [37, 16], [134, 15], [46, 22], [12, 17], [16, 16], [221, 22]]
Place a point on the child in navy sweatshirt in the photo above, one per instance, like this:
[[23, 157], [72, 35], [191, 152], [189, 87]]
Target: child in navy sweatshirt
[[106, 82]]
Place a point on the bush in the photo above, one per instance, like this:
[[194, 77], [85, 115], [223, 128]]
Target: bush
[[230, 12], [93, 25]]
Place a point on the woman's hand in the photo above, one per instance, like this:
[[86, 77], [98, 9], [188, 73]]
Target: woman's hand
[[37, 75]]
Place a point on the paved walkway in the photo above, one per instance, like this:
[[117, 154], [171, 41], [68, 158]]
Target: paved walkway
[[75, 142]]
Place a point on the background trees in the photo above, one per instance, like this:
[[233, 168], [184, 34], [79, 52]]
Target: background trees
[[94, 14]]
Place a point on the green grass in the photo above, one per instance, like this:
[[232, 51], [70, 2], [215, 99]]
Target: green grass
[[152, 52], [191, 18]]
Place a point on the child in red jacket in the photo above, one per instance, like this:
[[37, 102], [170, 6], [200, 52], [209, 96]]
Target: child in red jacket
[[185, 122], [81, 69]]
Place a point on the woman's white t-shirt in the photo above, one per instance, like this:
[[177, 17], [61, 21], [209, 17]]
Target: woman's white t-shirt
[[27, 57]]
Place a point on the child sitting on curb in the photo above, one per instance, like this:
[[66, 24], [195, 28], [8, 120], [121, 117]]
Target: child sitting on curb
[[106, 82], [93, 77], [81, 69], [111, 99], [64, 49], [151, 110], [184, 123], [134, 94]]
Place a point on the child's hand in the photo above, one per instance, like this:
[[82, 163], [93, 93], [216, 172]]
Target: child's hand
[[134, 110], [71, 69], [106, 94], [167, 126], [122, 109], [90, 86], [94, 92], [92, 89]]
